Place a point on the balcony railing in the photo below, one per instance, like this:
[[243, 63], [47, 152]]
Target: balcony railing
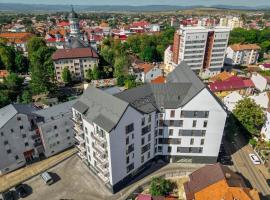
[[100, 159], [82, 155], [98, 138], [81, 148], [79, 139], [78, 129], [102, 169], [100, 150], [103, 178], [76, 120]]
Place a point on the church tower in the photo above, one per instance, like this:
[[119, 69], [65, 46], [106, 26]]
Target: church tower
[[74, 24]]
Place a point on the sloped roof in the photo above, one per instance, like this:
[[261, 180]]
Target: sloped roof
[[159, 80], [101, 107], [74, 53], [241, 47]]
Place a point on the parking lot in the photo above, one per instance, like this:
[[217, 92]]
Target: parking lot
[[73, 181]]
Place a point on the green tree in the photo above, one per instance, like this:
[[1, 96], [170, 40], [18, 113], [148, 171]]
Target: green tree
[[66, 75], [120, 65], [130, 82], [96, 73], [26, 97], [21, 63], [89, 75], [160, 186], [121, 80], [34, 44], [13, 82], [7, 55], [4, 98], [250, 115]]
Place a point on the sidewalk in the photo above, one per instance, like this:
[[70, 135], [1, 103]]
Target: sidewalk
[[12, 179]]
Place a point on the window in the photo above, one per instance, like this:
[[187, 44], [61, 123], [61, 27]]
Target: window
[[8, 151], [55, 127], [26, 144], [204, 124], [171, 122], [149, 118], [200, 150], [132, 136], [145, 148], [143, 121], [148, 155], [195, 114], [2, 133], [169, 149], [11, 130], [5, 142], [182, 114], [206, 114], [127, 140], [142, 141], [19, 118], [203, 133], [68, 137], [142, 159], [181, 123], [170, 132], [149, 137], [194, 123], [130, 167], [146, 129], [159, 148], [191, 141], [202, 141], [129, 128], [127, 159], [172, 113], [16, 157], [178, 149], [160, 132], [67, 130]]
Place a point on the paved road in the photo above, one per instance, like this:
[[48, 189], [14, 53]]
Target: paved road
[[78, 183], [251, 172]]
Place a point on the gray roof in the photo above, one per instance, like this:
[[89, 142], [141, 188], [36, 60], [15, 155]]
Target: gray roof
[[101, 108], [74, 42], [106, 110], [9, 111], [181, 86], [56, 110]]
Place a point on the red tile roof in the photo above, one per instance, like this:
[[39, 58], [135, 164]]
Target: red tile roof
[[54, 40], [144, 197], [63, 23], [17, 37], [3, 73], [158, 80], [140, 24], [146, 67], [74, 53], [241, 47], [232, 83]]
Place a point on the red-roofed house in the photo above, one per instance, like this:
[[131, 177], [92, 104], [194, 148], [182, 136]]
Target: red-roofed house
[[235, 83], [145, 72], [64, 24], [77, 60], [265, 66], [159, 80]]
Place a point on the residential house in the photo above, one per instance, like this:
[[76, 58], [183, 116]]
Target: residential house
[[262, 83], [217, 182], [242, 54], [122, 134], [145, 72], [265, 66]]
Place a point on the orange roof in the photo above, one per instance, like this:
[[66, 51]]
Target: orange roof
[[60, 30], [3, 73], [241, 47], [16, 37], [145, 66], [158, 80], [221, 76], [104, 24]]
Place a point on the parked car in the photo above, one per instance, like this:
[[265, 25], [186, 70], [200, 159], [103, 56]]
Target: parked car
[[9, 195], [21, 191], [47, 178], [254, 159]]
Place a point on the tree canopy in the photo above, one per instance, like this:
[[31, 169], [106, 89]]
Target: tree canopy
[[160, 186], [250, 115], [66, 75]]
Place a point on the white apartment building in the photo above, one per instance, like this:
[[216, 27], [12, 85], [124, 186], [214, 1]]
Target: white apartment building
[[77, 60], [203, 49], [242, 54], [56, 128], [19, 137], [121, 135], [26, 133]]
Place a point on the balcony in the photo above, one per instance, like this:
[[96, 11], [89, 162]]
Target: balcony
[[103, 178], [100, 159], [102, 169], [81, 148], [98, 138], [81, 155], [77, 120], [78, 129], [100, 150], [79, 139]]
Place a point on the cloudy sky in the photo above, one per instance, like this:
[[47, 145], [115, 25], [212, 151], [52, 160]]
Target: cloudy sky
[[147, 2]]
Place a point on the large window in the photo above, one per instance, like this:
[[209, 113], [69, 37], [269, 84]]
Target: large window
[[130, 167], [172, 113], [129, 128]]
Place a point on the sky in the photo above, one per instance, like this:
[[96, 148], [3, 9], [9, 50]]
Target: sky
[[147, 2]]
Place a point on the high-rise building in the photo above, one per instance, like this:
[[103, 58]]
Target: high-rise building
[[120, 135], [203, 49]]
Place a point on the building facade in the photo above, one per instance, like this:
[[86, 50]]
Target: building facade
[[56, 128], [203, 49], [120, 135], [77, 60], [245, 54], [19, 137]]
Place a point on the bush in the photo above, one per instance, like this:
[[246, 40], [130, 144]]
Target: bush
[[160, 186]]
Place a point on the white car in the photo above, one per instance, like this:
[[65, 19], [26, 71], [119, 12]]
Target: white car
[[254, 159]]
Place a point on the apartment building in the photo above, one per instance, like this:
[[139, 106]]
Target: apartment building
[[56, 128], [203, 49], [120, 135], [27, 132], [242, 54], [77, 60], [19, 137]]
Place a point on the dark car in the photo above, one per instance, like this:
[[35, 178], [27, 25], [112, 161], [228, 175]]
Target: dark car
[[21, 191], [9, 195]]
